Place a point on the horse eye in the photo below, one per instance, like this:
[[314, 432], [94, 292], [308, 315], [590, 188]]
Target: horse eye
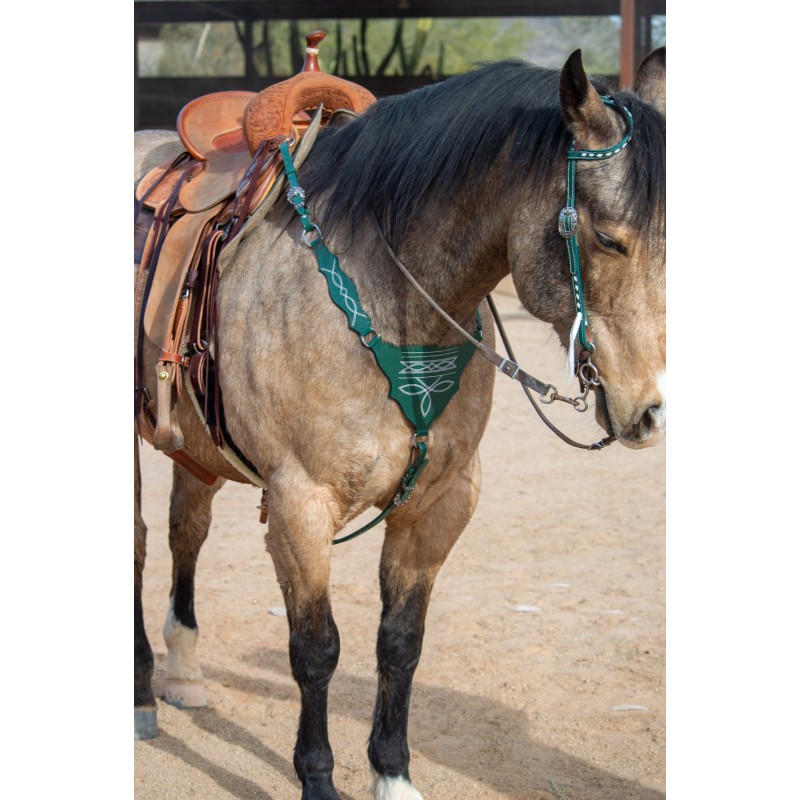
[[609, 243]]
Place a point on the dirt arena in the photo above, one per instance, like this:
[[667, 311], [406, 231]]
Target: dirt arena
[[543, 671]]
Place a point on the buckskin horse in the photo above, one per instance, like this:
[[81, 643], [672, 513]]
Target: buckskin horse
[[459, 184]]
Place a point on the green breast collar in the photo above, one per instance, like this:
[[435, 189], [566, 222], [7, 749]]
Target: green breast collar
[[422, 378]]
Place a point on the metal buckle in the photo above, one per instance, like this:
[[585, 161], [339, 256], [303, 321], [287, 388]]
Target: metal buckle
[[319, 238], [363, 338], [568, 222], [505, 367]]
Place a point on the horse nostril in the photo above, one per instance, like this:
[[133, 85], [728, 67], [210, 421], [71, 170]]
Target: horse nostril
[[652, 420]]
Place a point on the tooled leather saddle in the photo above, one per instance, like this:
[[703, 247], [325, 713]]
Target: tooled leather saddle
[[189, 210]]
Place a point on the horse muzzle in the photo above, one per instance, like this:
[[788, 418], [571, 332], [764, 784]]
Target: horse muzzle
[[641, 428], [648, 430]]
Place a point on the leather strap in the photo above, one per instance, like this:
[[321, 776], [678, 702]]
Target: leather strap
[[244, 199], [175, 358]]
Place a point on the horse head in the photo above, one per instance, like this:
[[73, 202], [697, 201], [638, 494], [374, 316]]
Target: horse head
[[620, 202]]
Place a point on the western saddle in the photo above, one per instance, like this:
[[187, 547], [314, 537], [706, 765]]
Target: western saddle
[[189, 211]]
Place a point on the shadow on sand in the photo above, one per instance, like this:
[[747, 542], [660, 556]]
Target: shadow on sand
[[481, 738]]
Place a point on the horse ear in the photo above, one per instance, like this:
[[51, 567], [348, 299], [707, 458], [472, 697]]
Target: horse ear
[[651, 80], [592, 124]]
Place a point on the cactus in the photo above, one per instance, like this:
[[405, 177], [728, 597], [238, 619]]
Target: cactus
[[420, 37], [364, 56], [338, 61], [396, 41]]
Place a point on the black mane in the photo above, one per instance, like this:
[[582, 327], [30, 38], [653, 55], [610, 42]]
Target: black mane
[[409, 152]]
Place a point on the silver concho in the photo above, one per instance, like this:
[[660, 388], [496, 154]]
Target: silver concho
[[295, 191], [568, 222]]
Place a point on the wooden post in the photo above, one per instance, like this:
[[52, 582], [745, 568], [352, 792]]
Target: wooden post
[[630, 41]]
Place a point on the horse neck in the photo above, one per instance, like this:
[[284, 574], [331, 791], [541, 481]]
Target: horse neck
[[458, 254]]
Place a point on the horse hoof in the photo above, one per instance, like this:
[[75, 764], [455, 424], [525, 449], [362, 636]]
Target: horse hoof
[[185, 693], [145, 725]]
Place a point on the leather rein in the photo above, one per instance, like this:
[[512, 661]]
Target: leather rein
[[586, 370]]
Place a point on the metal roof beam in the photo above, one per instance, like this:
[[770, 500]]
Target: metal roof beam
[[163, 11]]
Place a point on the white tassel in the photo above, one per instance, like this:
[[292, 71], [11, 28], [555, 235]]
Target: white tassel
[[573, 335]]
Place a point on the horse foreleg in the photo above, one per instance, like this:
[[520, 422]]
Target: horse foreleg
[[416, 545], [144, 702], [299, 542], [189, 521]]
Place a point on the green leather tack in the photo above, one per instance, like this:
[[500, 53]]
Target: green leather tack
[[568, 219], [422, 378]]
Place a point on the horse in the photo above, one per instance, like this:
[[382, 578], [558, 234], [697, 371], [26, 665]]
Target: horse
[[465, 178]]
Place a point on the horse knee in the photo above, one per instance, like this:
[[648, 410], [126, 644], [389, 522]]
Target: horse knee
[[314, 650], [399, 647], [402, 627]]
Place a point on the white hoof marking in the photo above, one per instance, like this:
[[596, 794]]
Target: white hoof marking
[[393, 788], [182, 663]]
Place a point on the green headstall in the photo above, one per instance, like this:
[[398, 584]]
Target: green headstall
[[422, 378], [568, 218]]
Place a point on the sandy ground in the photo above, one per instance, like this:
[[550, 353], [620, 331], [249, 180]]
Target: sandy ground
[[542, 674]]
